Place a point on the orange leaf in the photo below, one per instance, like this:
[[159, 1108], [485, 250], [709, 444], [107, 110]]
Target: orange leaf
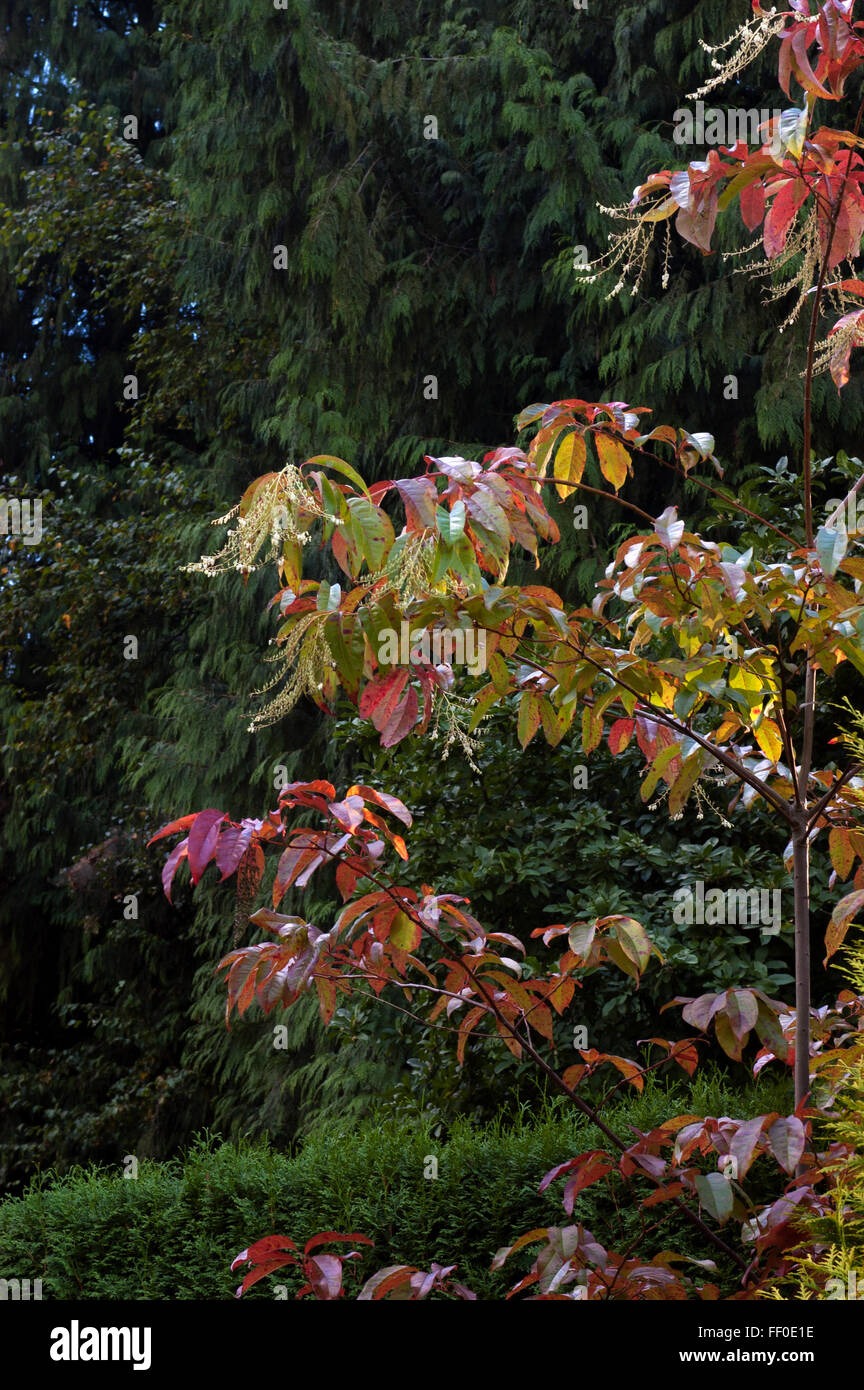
[[620, 734], [842, 853]]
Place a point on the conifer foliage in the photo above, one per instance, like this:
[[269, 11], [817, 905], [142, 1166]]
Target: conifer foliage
[[424, 175]]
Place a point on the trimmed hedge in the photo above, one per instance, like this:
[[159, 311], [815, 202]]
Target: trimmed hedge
[[172, 1232]]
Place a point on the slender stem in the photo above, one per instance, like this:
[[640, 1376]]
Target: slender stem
[[601, 492], [680, 473], [539, 1060], [801, 860], [800, 837], [715, 492], [807, 737], [660, 716], [826, 800], [838, 511]]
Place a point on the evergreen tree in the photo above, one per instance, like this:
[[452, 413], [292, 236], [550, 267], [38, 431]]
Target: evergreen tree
[[330, 228]]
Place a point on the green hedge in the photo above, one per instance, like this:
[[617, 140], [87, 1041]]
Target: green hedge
[[172, 1232]]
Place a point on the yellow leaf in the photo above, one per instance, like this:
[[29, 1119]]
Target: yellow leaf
[[614, 459], [684, 783], [404, 933], [750, 686], [726, 729], [769, 740], [569, 464], [667, 207]]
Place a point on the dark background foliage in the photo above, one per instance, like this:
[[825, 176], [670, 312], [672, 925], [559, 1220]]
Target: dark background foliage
[[407, 258]]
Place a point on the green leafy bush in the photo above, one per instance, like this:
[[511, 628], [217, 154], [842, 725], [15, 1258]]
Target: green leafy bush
[[172, 1232]]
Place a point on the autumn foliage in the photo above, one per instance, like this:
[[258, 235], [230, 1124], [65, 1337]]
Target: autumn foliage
[[708, 658]]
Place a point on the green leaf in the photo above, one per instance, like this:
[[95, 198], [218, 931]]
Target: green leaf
[[658, 766], [831, 544], [340, 466], [372, 529], [329, 597], [633, 940], [580, 937], [529, 415], [451, 524], [684, 783], [716, 1195]]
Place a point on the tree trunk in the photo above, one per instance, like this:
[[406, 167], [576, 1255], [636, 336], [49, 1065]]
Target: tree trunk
[[801, 861]]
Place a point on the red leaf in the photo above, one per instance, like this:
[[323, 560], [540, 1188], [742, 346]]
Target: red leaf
[[265, 1255], [742, 1010], [840, 356], [686, 1055], [620, 734], [696, 223], [380, 697], [265, 1268], [787, 201], [170, 866], [346, 878], [231, 845], [387, 1281], [309, 794], [787, 1138], [324, 1236], [269, 1245], [324, 1273], [326, 996], [801, 65], [402, 720], [847, 908], [420, 498], [292, 863], [700, 1011], [182, 824], [744, 1144], [383, 799], [202, 840], [847, 232], [589, 1173], [752, 204]]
